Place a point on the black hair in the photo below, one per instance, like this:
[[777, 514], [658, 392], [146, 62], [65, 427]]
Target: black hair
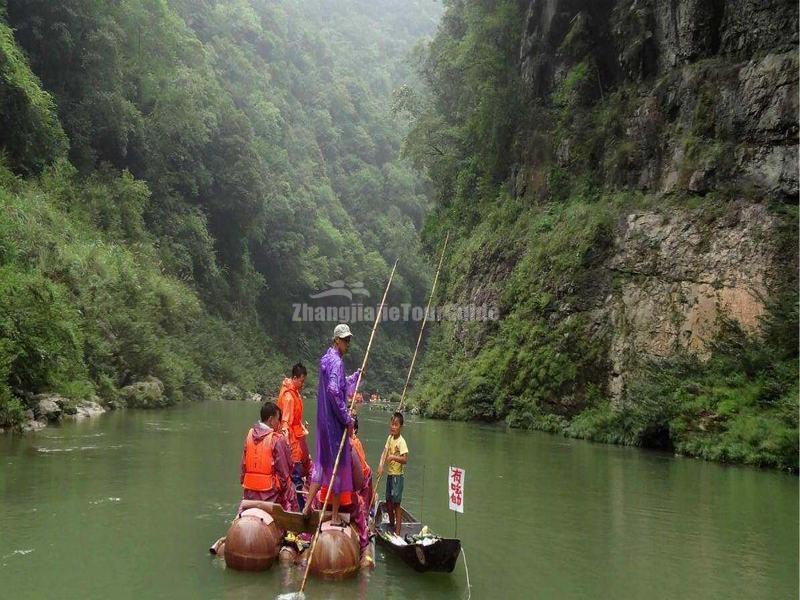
[[355, 424], [299, 370], [398, 416], [269, 410]]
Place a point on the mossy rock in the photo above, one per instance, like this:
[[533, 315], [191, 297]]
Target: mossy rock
[[148, 393]]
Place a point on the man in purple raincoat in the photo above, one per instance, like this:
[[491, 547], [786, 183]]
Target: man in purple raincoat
[[332, 419]]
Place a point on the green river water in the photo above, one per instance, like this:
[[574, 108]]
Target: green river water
[[126, 505]]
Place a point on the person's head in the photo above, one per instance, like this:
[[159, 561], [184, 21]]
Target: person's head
[[270, 415], [341, 338], [396, 424], [299, 375]]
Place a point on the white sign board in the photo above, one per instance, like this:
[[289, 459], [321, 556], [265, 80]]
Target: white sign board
[[455, 489]]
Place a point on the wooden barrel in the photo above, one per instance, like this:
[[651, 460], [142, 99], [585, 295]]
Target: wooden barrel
[[337, 553], [252, 542]]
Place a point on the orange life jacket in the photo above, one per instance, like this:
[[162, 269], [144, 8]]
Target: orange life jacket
[[296, 428], [259, 471], [345, 498], [356, 443]]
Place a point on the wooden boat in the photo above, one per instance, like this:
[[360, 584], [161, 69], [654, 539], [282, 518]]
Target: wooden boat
[[428, 553]]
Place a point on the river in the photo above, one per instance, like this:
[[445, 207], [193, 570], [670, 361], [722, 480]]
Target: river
[[126, 505]]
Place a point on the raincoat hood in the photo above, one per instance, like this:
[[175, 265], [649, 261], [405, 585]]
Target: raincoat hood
[[260, 431]]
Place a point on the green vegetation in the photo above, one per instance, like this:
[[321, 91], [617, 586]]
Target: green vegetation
[[531, 186], [175, 174], [87, 310]]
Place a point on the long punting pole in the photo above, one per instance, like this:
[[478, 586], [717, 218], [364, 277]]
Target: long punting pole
[[422, 328], [344, 433], [413, 358]]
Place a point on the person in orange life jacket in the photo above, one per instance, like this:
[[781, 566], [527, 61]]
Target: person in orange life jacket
[[265, 472], [290, 402], [365, 491]]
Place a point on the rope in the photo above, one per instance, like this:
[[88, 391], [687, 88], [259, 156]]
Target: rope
[[466, 568]]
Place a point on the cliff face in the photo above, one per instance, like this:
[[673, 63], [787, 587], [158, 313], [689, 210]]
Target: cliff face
[[676, 276], [707, 101], [650, 207], [722, 73]]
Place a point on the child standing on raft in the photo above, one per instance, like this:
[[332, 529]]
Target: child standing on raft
[[396, 454]]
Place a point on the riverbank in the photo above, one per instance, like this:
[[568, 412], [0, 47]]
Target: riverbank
[[608, 425], [52, 409], [737, 406]]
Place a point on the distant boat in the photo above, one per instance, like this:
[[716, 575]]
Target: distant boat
[[419, 549]]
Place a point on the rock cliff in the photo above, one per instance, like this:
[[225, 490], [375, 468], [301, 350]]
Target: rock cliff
[[649, 206]]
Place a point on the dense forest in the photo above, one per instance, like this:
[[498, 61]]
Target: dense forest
[[175, 174], [619, 178]]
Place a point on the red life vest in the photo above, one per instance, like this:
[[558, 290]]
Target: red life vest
[[296, 428], [259, 472]]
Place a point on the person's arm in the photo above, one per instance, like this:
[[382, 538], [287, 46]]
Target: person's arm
[[288, 411], [401, 455], [351, 381], [334, 388], [383, 456], [241, 466], [399, 458]]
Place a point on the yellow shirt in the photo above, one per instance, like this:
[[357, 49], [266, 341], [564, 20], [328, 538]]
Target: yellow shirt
[[398, 447]]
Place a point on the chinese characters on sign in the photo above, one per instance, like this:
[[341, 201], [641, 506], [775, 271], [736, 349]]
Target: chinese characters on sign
[[455, 489]]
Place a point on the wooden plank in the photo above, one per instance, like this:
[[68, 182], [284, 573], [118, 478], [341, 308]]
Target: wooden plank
[[290, 521]]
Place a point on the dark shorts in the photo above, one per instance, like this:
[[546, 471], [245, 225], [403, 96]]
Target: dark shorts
[[394, 488]]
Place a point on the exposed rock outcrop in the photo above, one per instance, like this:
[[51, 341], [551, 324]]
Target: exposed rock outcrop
[[676, 275], [707, 95], [148, 393], [86, 409], [230, 391], [48, 407], [707, 89], [32, 425]]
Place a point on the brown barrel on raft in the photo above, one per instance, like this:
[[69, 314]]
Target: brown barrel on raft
[[337, 554], [253, 541]]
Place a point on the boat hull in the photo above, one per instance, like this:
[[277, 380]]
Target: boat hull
[[440, 555]]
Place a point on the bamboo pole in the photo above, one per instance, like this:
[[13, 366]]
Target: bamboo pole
[[413, 360], [422, 328], [344, 433]]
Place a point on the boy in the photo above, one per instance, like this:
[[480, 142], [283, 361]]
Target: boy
[[265, 472], [396, 454]]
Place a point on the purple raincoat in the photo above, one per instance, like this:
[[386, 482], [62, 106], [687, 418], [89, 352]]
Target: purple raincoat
[[332, 419]]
